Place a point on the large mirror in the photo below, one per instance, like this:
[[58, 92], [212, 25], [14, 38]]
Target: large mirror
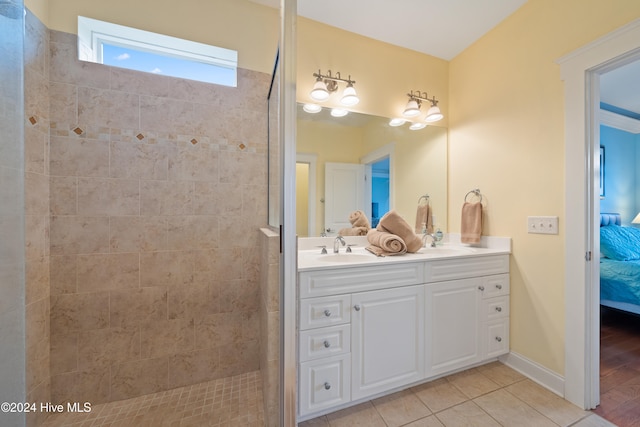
[[398, 167]]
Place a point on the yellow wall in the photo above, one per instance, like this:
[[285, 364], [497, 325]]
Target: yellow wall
[[507, 138], [249, 28], [302, 199]]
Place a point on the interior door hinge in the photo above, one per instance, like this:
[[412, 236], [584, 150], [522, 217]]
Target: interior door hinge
[[587, 256]]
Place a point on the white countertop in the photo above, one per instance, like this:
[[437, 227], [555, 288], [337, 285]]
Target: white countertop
[[310, 258]]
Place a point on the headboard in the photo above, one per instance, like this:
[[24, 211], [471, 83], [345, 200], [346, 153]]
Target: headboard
[[610, 219]]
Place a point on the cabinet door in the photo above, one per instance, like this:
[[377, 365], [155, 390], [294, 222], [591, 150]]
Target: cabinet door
[[452, 322], [387, 339]]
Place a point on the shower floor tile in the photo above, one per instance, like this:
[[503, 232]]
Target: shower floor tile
[[232, 401]]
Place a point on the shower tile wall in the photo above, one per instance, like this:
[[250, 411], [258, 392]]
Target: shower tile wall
[[36, 139], [158, 187]]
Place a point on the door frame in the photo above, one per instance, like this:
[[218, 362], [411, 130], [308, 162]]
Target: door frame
[[310, 159], [580, 70]]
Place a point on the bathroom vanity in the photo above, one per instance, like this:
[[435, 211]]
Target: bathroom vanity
[[369, 325]]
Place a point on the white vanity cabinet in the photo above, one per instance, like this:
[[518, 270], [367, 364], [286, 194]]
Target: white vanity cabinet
[[367, 330]]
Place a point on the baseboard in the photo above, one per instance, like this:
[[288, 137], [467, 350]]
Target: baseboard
[[536, 372]]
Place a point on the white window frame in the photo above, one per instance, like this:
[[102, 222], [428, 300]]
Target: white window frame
[[92, 34]]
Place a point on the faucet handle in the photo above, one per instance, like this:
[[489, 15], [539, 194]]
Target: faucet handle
[[324, 249], [349, 247]]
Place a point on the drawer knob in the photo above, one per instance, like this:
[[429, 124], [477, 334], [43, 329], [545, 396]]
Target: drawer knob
[[356, 307], [499, 286], [327, 344], [327, 386], [498, 309], [498, 339], [327, 313], [481, 288]]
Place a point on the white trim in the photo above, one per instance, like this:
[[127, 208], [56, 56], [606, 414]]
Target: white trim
[[538, 373], [580, 72], [312, 160], [619, 121]]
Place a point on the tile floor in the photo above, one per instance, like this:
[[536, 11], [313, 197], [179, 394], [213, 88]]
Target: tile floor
[[490, 395], [233, 401]]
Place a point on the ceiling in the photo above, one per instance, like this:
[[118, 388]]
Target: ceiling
[[444, 28]]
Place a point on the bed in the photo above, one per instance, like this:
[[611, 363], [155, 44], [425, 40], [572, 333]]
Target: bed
[[619, 264]]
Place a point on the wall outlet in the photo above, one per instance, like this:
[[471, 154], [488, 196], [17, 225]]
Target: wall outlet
[[542, 225]]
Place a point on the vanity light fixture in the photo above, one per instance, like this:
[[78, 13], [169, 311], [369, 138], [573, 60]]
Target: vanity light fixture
[[339, 112], [417, 126], [415, 101], [312, 108], [326, 84]]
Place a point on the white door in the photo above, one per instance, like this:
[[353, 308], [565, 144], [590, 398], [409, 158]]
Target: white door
[[452, 322], [387, 339], [343, 193]]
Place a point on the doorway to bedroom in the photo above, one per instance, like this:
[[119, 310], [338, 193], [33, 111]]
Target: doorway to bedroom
[[619, 184]]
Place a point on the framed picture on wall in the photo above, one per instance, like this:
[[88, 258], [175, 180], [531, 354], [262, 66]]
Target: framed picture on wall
[[601, 172]]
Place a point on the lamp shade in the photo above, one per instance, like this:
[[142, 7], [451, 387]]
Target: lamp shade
[[433, 114], [412, 109], [397, 122], [319, 91], [339, 112], [312, 108], [349, 96], [417, 126]]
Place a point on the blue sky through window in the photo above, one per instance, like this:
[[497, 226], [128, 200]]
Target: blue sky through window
[[166, 65]]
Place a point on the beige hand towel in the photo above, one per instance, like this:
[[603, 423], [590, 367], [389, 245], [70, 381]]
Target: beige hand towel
[[359, 219], [393, 223], [384, 243], [471, 227], [424, 216]]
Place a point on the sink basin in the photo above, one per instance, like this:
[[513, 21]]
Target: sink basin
[[343, 257]]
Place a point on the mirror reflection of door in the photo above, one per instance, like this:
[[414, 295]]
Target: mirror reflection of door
[[306, 194], [343, 193], [380, 192]]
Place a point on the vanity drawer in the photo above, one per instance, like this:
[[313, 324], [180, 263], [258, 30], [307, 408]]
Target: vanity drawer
[[495, 308], [495, 286], [326, 311], [496, 340], [355, 279], [324, 383], [463, 267], [324, 342]]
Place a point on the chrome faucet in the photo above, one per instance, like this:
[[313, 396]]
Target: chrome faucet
[[433, 240], [336, 243]]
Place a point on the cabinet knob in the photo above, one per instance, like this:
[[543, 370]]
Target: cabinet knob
[[327, 386], [327, 313], [481, 288], [357, 307], [498, 339], [498, 309], [327, 344], [499, 286]]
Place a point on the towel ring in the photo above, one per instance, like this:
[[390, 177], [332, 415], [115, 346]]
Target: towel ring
[[425, 197], [476, 192]]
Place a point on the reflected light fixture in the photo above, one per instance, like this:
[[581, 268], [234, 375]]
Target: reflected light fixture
[[312, 108], [326, 84], [339, 112], [417, 126], [397, 122], [415, 101]]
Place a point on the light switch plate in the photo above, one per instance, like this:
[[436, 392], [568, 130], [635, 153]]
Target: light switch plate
[[542, 225]]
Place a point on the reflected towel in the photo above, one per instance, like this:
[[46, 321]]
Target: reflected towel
[[359, 219], [384, 243], [424, 216], [354, 231], [393, 223], [471, 227]]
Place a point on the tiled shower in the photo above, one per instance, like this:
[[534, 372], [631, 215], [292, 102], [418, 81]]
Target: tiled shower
[[144, 197]]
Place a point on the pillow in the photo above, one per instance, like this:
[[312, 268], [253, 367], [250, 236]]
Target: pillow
[[620, 243]]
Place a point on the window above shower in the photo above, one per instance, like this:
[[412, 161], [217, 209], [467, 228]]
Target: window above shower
[[125, 47]]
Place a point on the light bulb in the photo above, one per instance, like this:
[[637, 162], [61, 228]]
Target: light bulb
[[412, 109], [349, 96], [320, 92]]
